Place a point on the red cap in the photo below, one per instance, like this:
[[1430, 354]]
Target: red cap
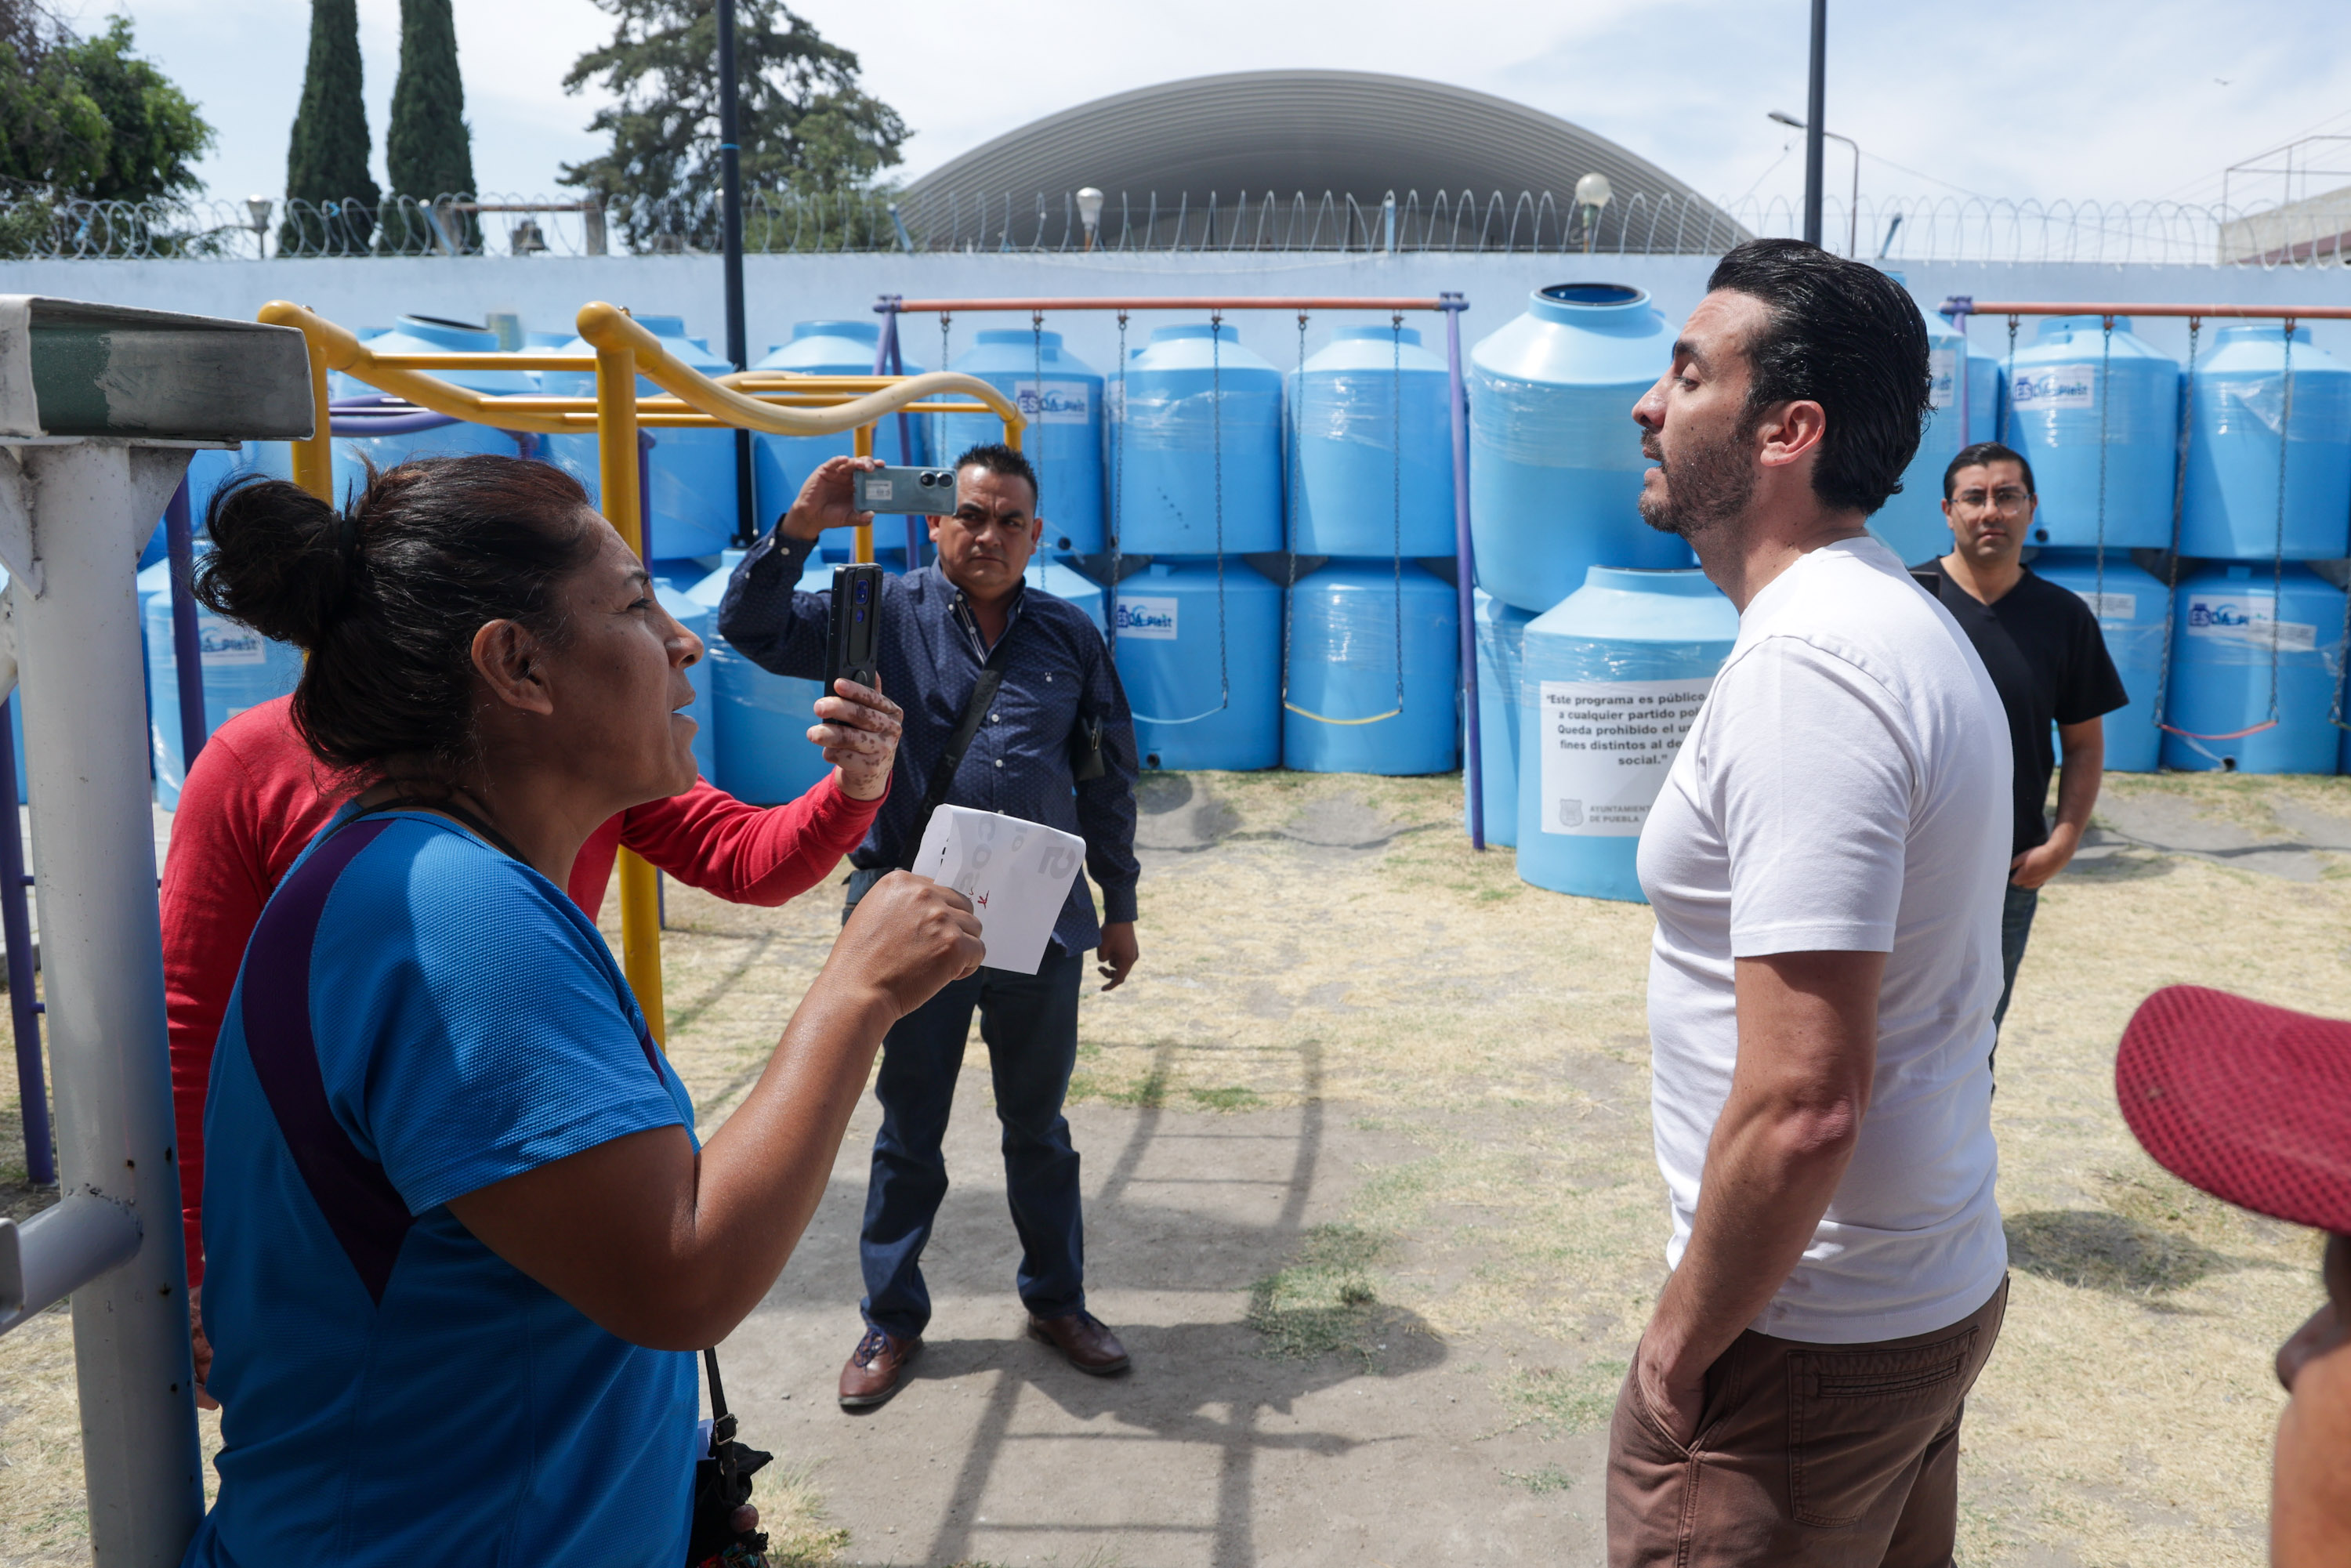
[[2250, 1102]]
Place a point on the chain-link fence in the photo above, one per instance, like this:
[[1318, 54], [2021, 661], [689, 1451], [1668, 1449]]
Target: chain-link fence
[[1952, 229]]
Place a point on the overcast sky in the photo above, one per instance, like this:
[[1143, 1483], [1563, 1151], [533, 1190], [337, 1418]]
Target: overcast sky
[[2049, 99]]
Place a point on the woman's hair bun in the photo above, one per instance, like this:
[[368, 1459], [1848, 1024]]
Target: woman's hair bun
[[278, 563]]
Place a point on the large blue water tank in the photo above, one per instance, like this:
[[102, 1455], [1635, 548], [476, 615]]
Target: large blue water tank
[[674, 582], [241, 669], [432, 335], [2229, 633], [1911, 523], [1201, 660], [1613, 677], [2231, 509], [780, 464], [1064, 438], [1063, 582], [689, 473], [1197, 451], [1372, 474], [2128, 604], [2087, 411], [1345, 668], [1555, 462], [1501, 631], [761, 752]]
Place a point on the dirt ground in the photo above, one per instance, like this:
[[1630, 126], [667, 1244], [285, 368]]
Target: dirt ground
[[1370, 1195]]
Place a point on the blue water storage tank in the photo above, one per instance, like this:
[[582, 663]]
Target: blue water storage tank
[[1205, 686], [1502, 634], [2078, 431], [432, 335], [1911, 522], [1555, 462], [761, 750], [1062, 583], [2230, 630], [1199, 407], [2230, 509], [1345, 669], [674, 582], [1613, 677], [1064, 438], [1372, 474], [241, 669], [689, 473], [2128, 604], [780, 464]]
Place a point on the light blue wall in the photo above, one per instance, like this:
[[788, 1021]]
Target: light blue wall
[[546, 291]]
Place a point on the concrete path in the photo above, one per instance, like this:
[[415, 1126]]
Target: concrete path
[[1209, 1452]]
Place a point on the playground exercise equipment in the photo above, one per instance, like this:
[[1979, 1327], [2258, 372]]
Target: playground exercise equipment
[[1959, 308], [771, 402], [99, 408], [1187, 384]]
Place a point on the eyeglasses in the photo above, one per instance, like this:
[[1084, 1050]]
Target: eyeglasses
[[2007, 498]]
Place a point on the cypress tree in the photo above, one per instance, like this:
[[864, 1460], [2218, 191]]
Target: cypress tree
[[328, 159], [429, 149]]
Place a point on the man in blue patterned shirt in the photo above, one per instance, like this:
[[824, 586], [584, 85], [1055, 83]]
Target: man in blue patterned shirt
[[941, 627]]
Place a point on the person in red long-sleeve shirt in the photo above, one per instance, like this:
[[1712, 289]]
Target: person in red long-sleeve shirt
[[256, 797]]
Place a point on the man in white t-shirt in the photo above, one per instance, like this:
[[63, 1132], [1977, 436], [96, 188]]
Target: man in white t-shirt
[[1826, 862]]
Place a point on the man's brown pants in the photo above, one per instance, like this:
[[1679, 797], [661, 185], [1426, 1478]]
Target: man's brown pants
[[1806, 1455]]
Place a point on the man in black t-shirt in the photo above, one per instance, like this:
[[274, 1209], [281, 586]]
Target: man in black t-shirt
[[2046, 657]]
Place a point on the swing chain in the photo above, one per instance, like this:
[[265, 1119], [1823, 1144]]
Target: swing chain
[[2179, 507], [1295, 479], [1217, 442], [1117, 485], [2008, 389], [2105, 406], [1037, 386], [2277, 552], [1396, 483]]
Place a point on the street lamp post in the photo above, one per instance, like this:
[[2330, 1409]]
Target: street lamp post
[[1852, 208], [1592, 193], [258, 207], [1089, 207]]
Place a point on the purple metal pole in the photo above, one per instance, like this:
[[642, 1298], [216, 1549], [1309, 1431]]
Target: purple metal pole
[[16, 927], [1465, 567], [646, 442], [187, 647]]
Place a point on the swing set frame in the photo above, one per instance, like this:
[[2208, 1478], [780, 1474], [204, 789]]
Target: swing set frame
[[1958, 307], [891, 307], [776, 402]]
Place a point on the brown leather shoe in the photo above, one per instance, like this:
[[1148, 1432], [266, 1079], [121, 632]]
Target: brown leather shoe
[[875, 1369], [1085, 1339]]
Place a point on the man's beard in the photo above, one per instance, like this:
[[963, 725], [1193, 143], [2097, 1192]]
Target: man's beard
[[1709, 484]]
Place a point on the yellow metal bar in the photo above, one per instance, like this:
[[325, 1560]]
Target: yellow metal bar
[[863, 447], [616, 451], [610, 326], [314, 460]]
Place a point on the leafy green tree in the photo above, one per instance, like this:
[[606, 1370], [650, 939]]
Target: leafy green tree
[[86, 117], [328, 159], [807, 125], [429, 149], [154, 133]]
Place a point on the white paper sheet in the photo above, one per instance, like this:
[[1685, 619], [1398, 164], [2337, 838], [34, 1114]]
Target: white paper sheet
[[1016, 874]]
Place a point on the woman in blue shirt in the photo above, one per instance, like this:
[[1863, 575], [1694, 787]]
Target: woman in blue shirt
[[461, 1241]]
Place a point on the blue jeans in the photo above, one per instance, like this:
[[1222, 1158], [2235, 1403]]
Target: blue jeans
[[2015, 928], [1029, 1023]]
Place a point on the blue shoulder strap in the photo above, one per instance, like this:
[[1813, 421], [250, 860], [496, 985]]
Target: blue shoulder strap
[[359, 1201]]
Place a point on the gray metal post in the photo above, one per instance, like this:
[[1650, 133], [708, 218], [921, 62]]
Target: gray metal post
[[102, 961], [730, 224], [1815, 115]]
